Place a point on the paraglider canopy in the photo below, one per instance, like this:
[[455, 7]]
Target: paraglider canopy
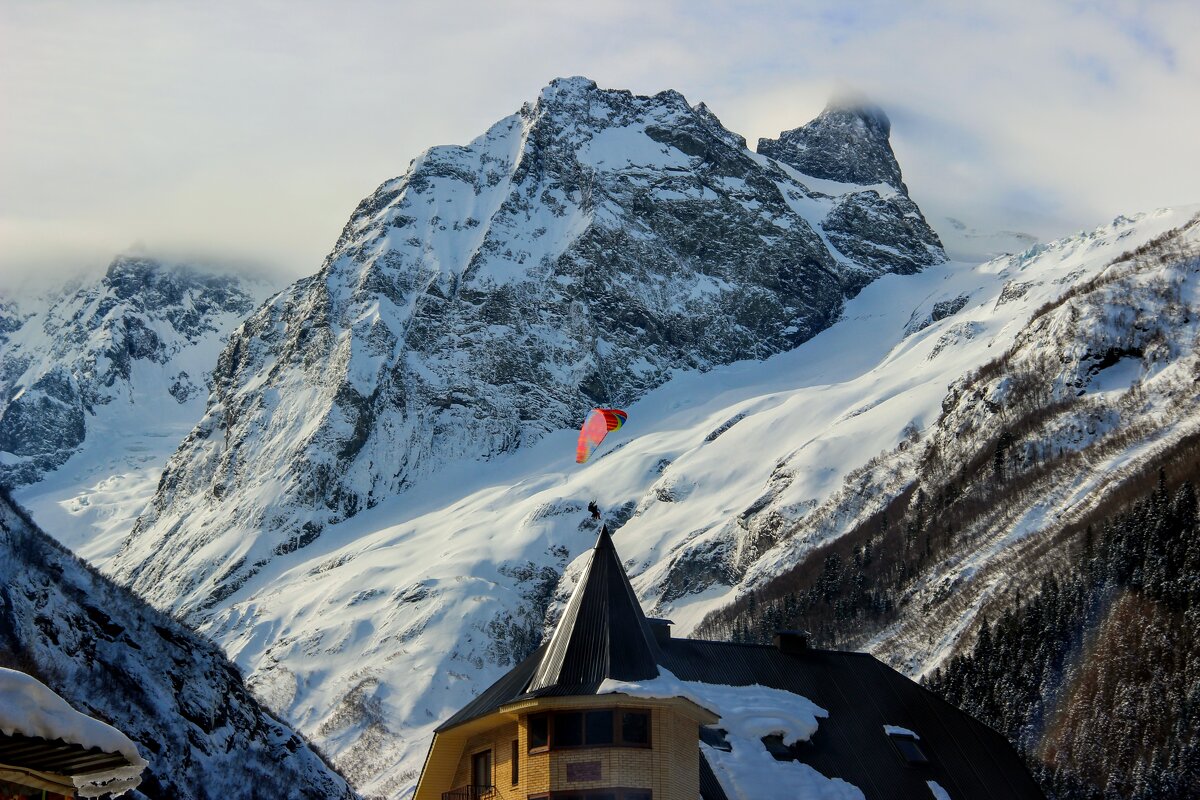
[[597, 425]]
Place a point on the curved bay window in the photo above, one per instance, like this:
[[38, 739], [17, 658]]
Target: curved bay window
[[608, 727]]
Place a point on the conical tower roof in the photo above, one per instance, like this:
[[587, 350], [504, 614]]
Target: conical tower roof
[[602, 634]]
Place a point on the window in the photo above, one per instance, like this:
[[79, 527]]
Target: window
[[778, 749], [635, 727], [909, 750], [481, 769], [593, 728], [516, 763], [715, 738], [568, 729], [598, 727], [539, 731]]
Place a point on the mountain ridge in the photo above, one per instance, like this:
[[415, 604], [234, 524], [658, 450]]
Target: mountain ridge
[[173, 693], [578, 253]]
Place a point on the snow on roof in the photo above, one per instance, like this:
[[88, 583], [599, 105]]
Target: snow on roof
[[896, 730], [30, 708], [748, 713], [937, 791]]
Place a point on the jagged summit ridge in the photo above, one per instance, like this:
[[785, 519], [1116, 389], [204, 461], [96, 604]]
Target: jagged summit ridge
[[849, 142], [579, 252], [141, 335]]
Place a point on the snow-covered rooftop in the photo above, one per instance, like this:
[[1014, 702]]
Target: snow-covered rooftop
[[749, 713], [30, 708]]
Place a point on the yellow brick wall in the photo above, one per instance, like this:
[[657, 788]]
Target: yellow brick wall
[[499, 741], [535, 772], [670, 768]]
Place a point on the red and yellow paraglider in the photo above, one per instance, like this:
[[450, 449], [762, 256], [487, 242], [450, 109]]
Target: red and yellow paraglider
[[599, 422]]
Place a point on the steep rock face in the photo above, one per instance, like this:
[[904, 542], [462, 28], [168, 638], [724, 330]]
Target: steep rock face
[[1085, 386], [847, 142], [115, 658], [851, 144], [136, 337], [580, 252]]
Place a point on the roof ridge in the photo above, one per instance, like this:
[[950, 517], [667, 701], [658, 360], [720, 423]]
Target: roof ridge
[[603, 632]]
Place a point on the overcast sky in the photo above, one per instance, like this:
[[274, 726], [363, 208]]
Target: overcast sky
[[249, 130]]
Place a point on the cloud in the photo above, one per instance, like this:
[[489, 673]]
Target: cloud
[[254, 128]]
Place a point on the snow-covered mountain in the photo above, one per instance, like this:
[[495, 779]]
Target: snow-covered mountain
[[580, 252], [112, 656], [393, 619], [100, 379], [373, 513]]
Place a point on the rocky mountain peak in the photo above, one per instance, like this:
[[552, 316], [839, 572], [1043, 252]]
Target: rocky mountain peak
[[855, 109], [565, 90], [579, 252], [848, 142], [144, 331]]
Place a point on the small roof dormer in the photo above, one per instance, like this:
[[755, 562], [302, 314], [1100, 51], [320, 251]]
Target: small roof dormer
[[602, 634]]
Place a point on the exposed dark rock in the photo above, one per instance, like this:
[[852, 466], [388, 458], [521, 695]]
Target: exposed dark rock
[[62, 361], [577, 254], [846, 142]]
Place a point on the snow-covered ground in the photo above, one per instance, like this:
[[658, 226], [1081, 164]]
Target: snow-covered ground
[[100, 379], [373, 634], [91, 501]]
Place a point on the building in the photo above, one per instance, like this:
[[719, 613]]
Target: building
[[614, 708], [50, 751]]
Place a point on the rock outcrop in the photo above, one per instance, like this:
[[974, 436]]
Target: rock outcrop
[[578, 253]]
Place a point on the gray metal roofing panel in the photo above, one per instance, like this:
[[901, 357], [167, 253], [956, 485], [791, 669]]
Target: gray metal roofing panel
[[510, 687], [603, 632], [862, 695]]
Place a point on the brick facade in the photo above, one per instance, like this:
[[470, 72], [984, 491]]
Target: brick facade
[[669, 767]]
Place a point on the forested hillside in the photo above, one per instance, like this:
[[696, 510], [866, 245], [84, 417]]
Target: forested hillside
[[1097, 678], [1042, 565]]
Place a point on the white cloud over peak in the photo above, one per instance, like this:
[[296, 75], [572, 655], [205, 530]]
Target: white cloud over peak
[[252, 129]]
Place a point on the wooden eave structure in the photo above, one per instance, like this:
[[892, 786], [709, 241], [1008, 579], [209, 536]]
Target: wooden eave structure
[[51, 764]]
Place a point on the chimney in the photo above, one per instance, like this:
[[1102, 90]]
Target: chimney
[[792, 643], [661, 628]]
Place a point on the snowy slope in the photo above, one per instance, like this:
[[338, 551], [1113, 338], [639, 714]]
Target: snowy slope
[[100, 379], [383, 475], [174, 694], [374, 633], [580, 252]]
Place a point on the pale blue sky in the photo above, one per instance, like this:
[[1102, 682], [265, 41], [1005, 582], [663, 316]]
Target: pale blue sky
[[251, 129]]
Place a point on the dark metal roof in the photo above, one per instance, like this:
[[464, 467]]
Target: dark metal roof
[[710, 787], [505, 690], [862, 694], [56, 757], [602, 634]]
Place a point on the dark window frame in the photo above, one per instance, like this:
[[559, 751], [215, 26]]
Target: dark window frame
[[919, 757], [491, 767], [618, 739], [516, 761]]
